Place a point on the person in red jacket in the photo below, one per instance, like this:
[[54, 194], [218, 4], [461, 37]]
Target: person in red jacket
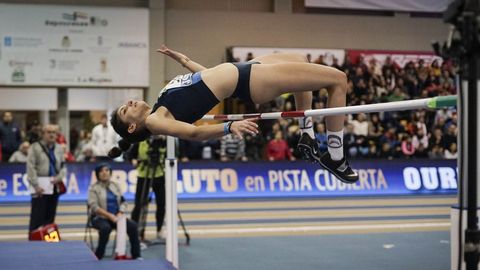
[[277, 148]]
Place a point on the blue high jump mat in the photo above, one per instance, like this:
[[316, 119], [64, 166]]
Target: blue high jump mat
[[68, 255]]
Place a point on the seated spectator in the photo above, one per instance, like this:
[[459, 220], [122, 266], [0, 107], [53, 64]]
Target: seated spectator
[[106, 205], [420, 138], [232, 148], [321, 137], [360, 125], [254, 146], [421, 151], [375, 128], [386, 151], [21, 154], [436, 152], [396, 95], [277, 148], [350, 141], [451, 152], [408, 149]]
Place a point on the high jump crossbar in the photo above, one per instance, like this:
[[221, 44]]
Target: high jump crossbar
[[415, 104]]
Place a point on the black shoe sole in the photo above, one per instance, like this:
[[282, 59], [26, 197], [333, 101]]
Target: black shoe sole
[[307, 153], [336, 175]]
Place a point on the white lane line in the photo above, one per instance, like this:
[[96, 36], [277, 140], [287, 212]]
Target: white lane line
[[240, 231]]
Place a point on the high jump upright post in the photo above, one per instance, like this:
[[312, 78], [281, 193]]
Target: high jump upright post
[[171, 245]]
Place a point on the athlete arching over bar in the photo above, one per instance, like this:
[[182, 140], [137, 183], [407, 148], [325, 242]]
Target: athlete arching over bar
[[187, 98]]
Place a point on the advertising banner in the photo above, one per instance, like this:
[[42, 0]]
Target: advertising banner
[[400, 58], [241, 53], [45, 45], [258, 180]]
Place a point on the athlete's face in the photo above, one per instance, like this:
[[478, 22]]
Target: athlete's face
[[133, 112]]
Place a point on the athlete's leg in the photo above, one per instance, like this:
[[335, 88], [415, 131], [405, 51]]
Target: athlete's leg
[[271, 80], [304, 98]]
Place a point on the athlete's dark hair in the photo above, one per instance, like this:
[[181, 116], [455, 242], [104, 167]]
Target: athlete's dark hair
[[128, 138]]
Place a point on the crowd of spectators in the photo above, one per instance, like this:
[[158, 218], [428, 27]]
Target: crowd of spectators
[[388, 135]]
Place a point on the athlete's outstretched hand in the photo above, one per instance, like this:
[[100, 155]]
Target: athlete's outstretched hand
[[177, 56], [244, 126]]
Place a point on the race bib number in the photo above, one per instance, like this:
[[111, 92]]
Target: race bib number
[[178, 81]]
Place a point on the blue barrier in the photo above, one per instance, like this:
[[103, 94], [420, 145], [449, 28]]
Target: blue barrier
[[202, 179]]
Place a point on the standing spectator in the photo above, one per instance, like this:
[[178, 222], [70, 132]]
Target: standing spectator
[[277, 148], [84, 142], [10, 137], [232, 148], [106, 205], [34, 132], [103, 139], [45, 160], [21, 154]]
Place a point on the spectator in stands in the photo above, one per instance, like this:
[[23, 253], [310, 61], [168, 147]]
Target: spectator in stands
[[232, 148], [254, 146], [68, 156], [103, 139], [451, 152], [396, 95], [277, 148], [420, 139], [21, 154], [84, 143], [10, 137], [436, 139], [86, 155], [421, 151], [451, 136], [45, 164], [34, 132], [386, 152], [437, 152], [360, 125], [335, 63], [350, 140], [321, 137], [408, 149], [106, 205], [249, 56], [375, 128]]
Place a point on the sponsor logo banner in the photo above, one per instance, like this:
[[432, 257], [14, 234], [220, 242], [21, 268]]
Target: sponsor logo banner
[[260, 179]]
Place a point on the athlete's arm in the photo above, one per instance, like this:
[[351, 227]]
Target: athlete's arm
[[182, 59], [158, 124]]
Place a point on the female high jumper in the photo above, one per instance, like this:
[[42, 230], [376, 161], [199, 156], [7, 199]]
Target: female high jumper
[[187, 98]]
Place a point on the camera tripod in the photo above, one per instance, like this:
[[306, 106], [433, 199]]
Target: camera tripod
[[152, 164]]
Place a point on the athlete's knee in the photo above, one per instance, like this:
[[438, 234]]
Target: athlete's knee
[[341, 82], [296, 57]]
